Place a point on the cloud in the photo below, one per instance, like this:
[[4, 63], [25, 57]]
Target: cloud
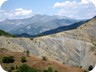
[[1, 2], [85, 1], [17, 13], [65, 4], [70, 3], [21, 11], [94, 2], [76, 9]]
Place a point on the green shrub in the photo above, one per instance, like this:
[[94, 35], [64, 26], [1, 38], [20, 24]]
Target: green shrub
[[85, 71], [27, 52], [45, 71], [44, 58], [50, 69], [55, 71], [16, 67], [26, 68], [12, 68], [8, 59], [23, 59], [90, 68]]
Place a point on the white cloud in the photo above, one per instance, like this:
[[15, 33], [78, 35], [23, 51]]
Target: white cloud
[[76, 9], [17, 13], [70, 3], [74, 3], [65, 4], [88, 1], [94, 2], [1, 2], [21, 11], [85, 1]]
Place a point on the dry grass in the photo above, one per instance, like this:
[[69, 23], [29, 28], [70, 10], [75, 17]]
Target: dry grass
[[36, 62]]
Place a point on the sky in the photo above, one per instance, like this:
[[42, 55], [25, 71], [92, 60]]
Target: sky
[[17, 9]]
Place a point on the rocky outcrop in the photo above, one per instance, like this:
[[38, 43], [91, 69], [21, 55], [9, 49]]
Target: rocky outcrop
[[74, 47]]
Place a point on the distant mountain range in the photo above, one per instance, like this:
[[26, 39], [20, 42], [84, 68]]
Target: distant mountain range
[[56, 30], [64, 28], [35, 24]]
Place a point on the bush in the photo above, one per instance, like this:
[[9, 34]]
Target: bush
[[90, 68], [55, 71], [27, 52], [44, 58], [45, 71], [23, 59], [12, 68], [85, 71], [16, 67], [9, 59], [26, 68], [50, 69]]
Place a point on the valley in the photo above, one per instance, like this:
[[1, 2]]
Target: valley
[[76, 47]]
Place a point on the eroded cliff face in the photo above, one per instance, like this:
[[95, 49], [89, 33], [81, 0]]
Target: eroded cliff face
[[75, 47]]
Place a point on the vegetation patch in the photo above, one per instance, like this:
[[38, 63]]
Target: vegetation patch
[[8, 59], [3, 33], [23, 59]]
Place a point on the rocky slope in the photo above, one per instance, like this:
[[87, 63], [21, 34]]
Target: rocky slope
[[75, 47]]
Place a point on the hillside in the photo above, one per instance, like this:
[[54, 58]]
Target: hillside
[[34, 62], [75, 47], [3, 33]]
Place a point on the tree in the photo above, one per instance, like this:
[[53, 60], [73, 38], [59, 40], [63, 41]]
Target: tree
[[26, 68], [27, 52], [12, 68], [23, 59], [44, 58], [50, 69], [11, 59], [55, 71], [45, 71], [8, 59], [90, 68]]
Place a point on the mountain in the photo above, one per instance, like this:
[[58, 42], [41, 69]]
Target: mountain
[[53, 31], [76, 47], [35, 24], [64, 28]]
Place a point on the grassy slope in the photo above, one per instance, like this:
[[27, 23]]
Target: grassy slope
[[3, 33]]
